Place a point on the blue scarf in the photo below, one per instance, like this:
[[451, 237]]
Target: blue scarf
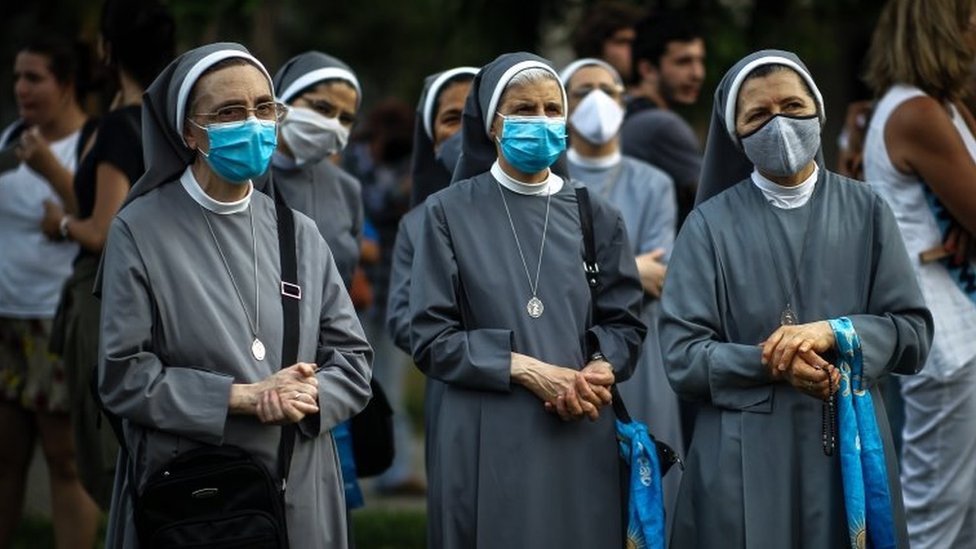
[[645, 506], [343, 442], [964, 274], [870, 519]]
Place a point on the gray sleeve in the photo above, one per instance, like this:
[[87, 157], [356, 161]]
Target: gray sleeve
[[896, 332], [442, 346], [132, 381], [344, 357], [658, 229], [398, 299], [618, 330], [699, 364]]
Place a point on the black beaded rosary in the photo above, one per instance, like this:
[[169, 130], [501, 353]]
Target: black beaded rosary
[[828, 431]]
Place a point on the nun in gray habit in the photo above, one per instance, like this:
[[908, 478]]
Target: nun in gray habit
[[756, 254], [431, 171], [303, 171], [511, 347], [188, 332]]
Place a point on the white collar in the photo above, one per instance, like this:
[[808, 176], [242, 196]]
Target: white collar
[[607, 161], [553, 184], [786, 198], [192, 187]]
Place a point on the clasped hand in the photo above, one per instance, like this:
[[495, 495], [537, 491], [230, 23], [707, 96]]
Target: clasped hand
[[288, 395], [794, 353], [572, 394]]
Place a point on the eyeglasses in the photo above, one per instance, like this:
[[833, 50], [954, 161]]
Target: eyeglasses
[[270, 110], [329, 110], [612, 91]]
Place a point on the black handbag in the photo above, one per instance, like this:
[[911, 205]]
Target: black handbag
[[222, 496], [372, 435]]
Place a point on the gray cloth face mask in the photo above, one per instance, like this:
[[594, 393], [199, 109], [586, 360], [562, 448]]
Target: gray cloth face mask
[[784, 145]]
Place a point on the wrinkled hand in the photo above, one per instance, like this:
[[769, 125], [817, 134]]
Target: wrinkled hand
[[288, 395], [809, 373], [554, 385], [592, 386], [779, 349], [51, 224], [652, 271]]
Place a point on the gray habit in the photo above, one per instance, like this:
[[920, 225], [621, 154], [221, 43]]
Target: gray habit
[[503, 471], [756, 473], [174, 339], [645, 196], [333, 199]]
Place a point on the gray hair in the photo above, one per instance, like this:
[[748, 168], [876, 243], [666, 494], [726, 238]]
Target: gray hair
[[534, 75]]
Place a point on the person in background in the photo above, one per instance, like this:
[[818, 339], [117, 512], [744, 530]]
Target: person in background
[[192, 323], [919, 155], [502, 315], [669, 70], [645, 197], [780, 266], [437, 145], [323, 96], [386, 195], [50, 80], [606, 31], [136, 43]]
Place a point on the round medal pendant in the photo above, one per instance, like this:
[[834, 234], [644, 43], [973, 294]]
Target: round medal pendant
[[535, 307], [257, 349], [788, 317]]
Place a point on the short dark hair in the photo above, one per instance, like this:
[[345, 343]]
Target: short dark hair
[[655, 32], [763, 71], [140, 34], [70, 61], [600, 22]]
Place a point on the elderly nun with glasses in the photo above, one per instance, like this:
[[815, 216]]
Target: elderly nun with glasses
[[192, 317], [503, 316]]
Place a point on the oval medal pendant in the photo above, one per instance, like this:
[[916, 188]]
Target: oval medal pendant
[[788, 317], [535, 307], [257, 349]]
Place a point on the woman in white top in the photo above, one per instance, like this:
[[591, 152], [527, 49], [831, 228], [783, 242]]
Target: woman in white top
[[43, 144], [919, 155]]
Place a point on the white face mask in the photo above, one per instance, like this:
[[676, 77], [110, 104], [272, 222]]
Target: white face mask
[[597, 118], [311, 136]]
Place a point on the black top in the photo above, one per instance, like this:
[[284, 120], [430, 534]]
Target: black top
[[118, 142]]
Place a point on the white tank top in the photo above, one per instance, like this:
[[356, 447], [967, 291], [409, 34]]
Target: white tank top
[[954, 313]]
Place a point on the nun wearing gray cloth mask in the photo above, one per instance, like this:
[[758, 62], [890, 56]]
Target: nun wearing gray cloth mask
[[526, 452], [323, 97], [776, 255], [192, 321]]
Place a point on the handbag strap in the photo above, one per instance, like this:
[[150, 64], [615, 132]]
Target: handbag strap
[[591, 268], [291, 294]]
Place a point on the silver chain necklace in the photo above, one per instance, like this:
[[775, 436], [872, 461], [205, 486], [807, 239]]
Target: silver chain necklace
[[534, 307], [257, 347]]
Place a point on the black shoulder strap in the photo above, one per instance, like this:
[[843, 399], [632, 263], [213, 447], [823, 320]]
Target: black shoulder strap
[[291, 294]]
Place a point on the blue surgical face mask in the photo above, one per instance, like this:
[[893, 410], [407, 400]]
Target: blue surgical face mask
[[240, 151], [532, 143]]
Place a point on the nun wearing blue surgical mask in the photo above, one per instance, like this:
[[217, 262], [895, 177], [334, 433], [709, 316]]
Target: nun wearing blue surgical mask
[[323, 97], [782, 280], [645, 197], [501, 315], [192, 322]]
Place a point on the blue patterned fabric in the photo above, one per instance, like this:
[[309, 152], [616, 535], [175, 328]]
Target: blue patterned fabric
[[964, 274], [350, 484], [645, 504], [866, 492]]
